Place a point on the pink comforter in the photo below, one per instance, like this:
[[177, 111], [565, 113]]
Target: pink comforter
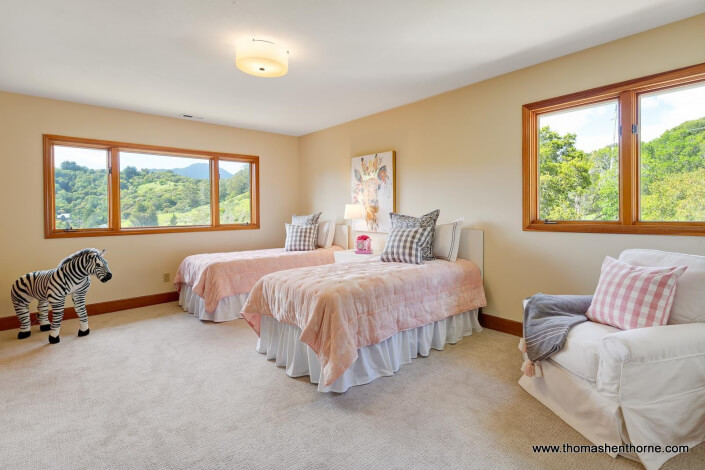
[[343, 307], [215, 276]]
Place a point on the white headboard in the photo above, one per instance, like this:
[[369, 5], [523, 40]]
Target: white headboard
[[342, 236], [472, 247], [472, 243]]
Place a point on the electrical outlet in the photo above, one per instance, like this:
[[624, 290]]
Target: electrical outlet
[[166, 277]]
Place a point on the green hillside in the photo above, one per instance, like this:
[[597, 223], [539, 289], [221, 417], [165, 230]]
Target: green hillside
[[576, 185], [147, 198]]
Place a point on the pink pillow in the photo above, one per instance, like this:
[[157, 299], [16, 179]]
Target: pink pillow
[[633, 296]]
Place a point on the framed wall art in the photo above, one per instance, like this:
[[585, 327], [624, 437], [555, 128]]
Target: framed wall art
[[373, 187]]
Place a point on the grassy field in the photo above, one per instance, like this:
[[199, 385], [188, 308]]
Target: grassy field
[[235, 210]]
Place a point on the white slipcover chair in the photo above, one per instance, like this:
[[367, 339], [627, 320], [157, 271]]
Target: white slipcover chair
[[644, 386]]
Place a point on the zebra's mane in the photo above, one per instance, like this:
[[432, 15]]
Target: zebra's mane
[[78, 254]]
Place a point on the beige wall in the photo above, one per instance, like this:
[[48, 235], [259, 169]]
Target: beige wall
[[461, 152], [137, 261]]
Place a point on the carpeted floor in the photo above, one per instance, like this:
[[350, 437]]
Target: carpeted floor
[[154, 388]]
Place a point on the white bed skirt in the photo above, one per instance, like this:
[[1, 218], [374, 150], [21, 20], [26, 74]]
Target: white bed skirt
[[228, 308], [280, 342]]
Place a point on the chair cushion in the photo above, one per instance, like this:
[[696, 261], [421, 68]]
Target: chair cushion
[[689, 300], [581, 353]]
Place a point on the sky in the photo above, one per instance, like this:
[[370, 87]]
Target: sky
[[595, 125], [143, 161], [98, 159]]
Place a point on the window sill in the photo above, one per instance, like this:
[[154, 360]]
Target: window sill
[[146, 231], [638, 228]]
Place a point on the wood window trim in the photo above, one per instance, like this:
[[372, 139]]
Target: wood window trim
[[626, 93], [113, 148]]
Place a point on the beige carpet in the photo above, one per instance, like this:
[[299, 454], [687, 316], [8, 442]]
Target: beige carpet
[[154, 388]]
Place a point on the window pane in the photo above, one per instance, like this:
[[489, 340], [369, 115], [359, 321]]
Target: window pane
[[80, 187], [579, 163], [160, 190], [672, 154], [234, 192]]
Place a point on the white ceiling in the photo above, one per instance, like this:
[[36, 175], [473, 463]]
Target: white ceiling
[[348, 58]]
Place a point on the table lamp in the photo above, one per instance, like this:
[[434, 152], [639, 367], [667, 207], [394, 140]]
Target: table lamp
[[353, 212]]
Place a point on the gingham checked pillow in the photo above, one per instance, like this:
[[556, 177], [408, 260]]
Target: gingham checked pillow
[[405, 245], [426, 220], [301, 237], [305, 219], [633, 296]]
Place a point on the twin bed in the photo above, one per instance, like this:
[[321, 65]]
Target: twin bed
[[215, 286], [343, 324]]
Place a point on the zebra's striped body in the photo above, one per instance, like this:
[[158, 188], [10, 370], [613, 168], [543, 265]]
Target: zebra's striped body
[[51, 287]]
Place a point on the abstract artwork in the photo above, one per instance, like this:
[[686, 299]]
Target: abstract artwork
[[372, 178]]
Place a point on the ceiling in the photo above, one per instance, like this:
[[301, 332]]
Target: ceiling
[[347, 59]]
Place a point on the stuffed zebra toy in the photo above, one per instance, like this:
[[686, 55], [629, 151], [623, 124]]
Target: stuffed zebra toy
[[51, 287]]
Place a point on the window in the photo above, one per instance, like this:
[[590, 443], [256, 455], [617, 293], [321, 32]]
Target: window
[[672, 155], [161, 190], [98, 188], [80, 187], [578, 160], [624, 158]]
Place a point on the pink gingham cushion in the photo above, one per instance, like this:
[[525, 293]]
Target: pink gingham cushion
[[633, 296]]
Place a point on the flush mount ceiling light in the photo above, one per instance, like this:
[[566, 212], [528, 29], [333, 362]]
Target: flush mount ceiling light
[[261, 58]]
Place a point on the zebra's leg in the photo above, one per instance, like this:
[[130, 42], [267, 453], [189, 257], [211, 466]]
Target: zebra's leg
[[20, 301], [22, 312], [57, 307], [43, 315], [79, 303]]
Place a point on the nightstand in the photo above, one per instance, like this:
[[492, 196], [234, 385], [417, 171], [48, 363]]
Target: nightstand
[[349, 256]]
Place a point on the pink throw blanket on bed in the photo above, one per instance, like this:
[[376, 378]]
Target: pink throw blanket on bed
[[341, 308], [215, 276]]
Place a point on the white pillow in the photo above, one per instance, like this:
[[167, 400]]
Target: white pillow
[[689, 299], [447, 240], [326, 232]]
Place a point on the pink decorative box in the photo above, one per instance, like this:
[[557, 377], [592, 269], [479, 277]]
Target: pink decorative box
[[363, 245]]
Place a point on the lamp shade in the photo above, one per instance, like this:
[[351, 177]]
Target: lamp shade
[[354, 211], [261, 58]]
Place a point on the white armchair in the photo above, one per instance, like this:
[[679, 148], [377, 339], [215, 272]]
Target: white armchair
[[645, 386]]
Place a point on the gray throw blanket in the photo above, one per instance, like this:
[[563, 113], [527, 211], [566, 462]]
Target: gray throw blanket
[[547, 319]]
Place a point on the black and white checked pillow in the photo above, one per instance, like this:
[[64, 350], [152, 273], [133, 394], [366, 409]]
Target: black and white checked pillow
[[427, 220], [301, 237], [310, 219], [405, 245]]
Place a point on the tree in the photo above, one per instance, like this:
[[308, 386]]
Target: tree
[[146, 197], [144, 215], [673, 174], [128, 173], [605, 183], [575, 185], [564, 177]]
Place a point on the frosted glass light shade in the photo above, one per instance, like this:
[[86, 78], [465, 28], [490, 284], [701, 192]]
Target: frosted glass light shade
[[354, 211], [261, 58]]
